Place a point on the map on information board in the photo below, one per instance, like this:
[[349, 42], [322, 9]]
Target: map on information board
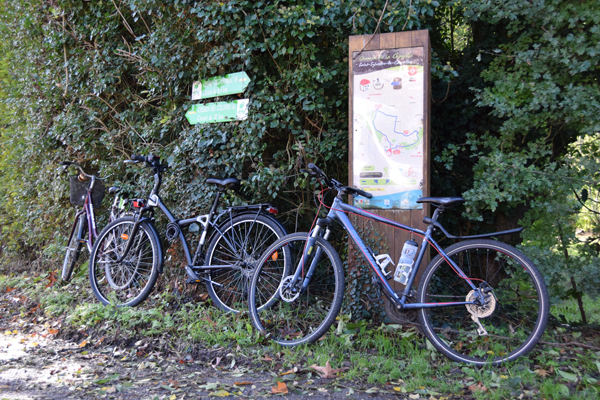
[[388, 127]]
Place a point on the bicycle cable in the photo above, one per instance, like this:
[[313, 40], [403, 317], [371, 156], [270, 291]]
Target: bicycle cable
[[402, 229]]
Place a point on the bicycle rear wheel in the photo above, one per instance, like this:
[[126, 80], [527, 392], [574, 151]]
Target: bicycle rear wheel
[[130, 281], [73, 249], [516, 307], [296, 315], [243, 240]]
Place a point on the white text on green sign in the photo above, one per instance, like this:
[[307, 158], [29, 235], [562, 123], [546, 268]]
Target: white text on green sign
[[221, 111], [220, 86]]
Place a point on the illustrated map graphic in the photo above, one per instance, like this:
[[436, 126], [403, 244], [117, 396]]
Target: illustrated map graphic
[[388, 127]]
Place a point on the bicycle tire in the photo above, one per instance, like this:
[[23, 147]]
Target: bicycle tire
[[241, 241], [516, 310], [73, 249], [304, 319], [130, 282]]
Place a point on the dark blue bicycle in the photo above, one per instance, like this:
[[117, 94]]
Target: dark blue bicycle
[[478, 301]]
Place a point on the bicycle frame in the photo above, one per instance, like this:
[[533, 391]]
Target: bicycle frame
[[337, 212], [88, 210], [206, 221]]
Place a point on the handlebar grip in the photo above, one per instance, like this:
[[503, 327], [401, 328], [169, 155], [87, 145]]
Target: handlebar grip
[[363, 193], [65, 163], [138, 158], [312, 167]]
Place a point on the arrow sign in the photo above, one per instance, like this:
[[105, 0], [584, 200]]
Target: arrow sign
[[220, 86], [221, 111]]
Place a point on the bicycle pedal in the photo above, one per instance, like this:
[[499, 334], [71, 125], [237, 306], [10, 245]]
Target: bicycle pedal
[[192, 277]]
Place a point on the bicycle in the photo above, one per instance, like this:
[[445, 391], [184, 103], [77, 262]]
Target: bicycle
[[128, 255], [479, 301], [86, 190]]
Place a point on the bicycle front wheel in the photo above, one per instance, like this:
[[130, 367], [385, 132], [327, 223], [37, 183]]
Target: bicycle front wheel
[[124, 281], [298, 312], [239, 244], [510, 321], [73, 248]]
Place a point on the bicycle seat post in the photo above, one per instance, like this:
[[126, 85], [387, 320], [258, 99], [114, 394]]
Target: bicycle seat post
[[440, 209]]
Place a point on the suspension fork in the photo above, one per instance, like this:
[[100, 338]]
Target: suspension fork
[[307, 251]]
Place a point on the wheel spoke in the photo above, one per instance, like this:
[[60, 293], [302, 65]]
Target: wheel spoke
[[509, 319]]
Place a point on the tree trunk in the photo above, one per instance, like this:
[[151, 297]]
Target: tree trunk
[[576, 293]]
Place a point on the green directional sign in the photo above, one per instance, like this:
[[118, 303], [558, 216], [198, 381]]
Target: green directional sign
[[220, 86], [221, 111]]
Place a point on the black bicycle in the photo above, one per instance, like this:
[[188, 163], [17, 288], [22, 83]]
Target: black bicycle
[[87, 191], [479, 301], [128, 255]]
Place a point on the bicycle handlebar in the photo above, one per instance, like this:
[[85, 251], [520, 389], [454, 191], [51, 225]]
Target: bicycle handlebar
[[138, 158], [152, 161], [315, 171], [359, 192], [83, 176], [319, 174]]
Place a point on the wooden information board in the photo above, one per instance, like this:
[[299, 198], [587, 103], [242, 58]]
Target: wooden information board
[[389, 113]]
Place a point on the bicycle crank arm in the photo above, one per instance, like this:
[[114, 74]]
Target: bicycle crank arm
[[204, 267], [408, 306], [193, 278]]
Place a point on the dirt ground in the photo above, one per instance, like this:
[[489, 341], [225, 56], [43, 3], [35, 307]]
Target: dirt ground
[[41, 360]]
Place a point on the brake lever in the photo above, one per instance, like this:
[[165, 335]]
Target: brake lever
[[131, 162]]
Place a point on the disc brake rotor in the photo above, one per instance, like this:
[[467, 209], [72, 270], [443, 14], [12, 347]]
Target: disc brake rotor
[[287, 293], [481, 311]]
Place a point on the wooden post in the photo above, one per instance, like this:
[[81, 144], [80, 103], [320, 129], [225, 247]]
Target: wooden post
[[366, 45]]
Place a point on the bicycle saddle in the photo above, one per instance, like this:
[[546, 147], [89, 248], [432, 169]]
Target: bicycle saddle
[[442, 201], [229, 183]]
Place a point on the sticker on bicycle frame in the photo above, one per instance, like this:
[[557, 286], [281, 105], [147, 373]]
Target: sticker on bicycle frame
[[388, 127]]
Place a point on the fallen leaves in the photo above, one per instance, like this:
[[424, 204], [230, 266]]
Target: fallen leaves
[[542, 372], [82, 344], [219, 393], [100, 341], [280, 388], [208, 319], [51, 279], [567, 375], [478, 387], [327, 372]]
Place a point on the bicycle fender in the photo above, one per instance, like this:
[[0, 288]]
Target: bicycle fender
[[161, 250], [264, 214]]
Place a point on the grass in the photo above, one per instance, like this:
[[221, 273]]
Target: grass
[[383, 356], [570, 310]]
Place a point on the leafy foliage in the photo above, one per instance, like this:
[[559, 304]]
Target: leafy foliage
[[539, 65], [514, 84], [96, 81]]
